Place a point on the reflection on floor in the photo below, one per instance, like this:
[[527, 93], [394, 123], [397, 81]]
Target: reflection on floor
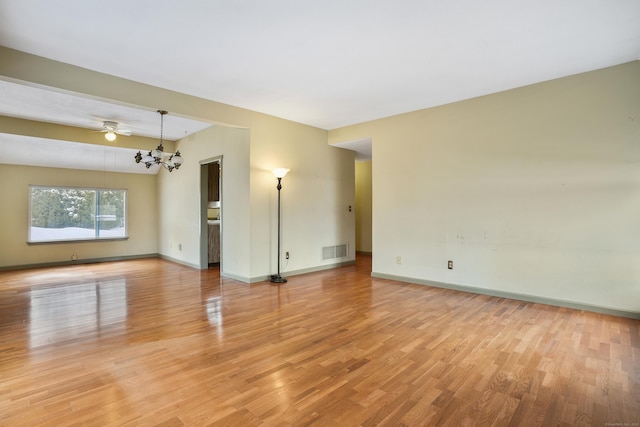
[[71, 312]]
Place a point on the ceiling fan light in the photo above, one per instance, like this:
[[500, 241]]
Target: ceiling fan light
[[110, 136]]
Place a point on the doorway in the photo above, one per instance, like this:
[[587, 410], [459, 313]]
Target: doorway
[[211, 213], [364, 197]]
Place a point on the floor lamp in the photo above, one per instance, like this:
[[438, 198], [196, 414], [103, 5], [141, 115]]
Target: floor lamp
[[279, 173]]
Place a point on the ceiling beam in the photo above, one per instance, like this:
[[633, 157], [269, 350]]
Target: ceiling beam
[[39, 71], [16, 126]]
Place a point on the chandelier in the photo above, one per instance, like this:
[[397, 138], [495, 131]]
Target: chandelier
[[158, 156]]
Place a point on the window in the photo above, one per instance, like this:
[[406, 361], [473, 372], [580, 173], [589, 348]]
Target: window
[[68, 213]]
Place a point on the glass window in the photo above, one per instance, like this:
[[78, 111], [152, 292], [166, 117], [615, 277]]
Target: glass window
[[68, 213]]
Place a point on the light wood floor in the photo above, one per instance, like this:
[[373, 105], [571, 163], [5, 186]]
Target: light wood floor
[[150, 342]]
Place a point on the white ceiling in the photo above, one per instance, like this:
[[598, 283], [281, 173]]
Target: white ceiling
[[24, 150], [36, 103], [28, 102], [325, 63]]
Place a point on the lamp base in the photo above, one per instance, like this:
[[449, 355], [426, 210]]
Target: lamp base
[[276, 278]]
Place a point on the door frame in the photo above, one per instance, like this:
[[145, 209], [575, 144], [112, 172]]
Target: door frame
[[204, 204]]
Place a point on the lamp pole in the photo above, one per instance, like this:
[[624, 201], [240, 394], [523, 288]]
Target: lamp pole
[[279, 173]]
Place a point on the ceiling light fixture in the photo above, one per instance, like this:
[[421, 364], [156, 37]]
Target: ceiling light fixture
[[110, 130], [110, 136], [158, 156]]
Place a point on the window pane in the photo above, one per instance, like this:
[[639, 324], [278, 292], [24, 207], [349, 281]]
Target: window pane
[[59, 213], [111, 220]]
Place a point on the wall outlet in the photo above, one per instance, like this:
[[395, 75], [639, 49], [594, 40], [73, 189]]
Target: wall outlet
[[286, 255], [179, 246], [450, 265], [74, 257], [398, 260]]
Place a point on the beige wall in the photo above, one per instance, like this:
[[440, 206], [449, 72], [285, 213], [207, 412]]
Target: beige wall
[[180, 210], [532, 191], [363, 206], [14, 215], [316, 193]]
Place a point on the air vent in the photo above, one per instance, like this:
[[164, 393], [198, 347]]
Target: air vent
[[333, 252]]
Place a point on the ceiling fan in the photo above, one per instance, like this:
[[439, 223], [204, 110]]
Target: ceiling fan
[[111, 129]]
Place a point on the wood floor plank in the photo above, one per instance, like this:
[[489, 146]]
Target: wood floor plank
[[151, 342]]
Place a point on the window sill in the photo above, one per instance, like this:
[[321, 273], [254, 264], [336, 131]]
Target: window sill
[[56, 242]]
